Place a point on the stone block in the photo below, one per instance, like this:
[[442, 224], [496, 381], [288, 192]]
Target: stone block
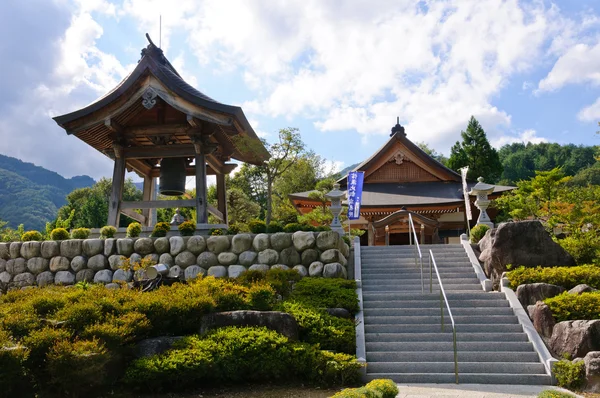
[[59, 263], [85, 275], [64, 278], [333, 270], [176, 272], [110, 247], [281, 240], [280, 322], [282, 267], [78, 263], [154, 346], [91, 247], [328, 240], [37, 265], [166, 259], [241, 243], [303, 240], [125, 246], [152, 258], [268, 256], [333, 256], [143, 246], [309, 256], [531, 293], [261, 242], [227, 258], [247, 258], [97, 262], [289, 256], [50, 248], [2, 265], [122, 276], [193, 272], [16, 266], [104, 276], [70, 248], [542, 319], [135, 258], [259, 267], [31, 249], [218, 244], [196, 244], [583, 288], [116, 261], [161, 245], [316, 269], [185, 259], [4, 251], [233, 271], [23, 280], [575, 338], [218, 271], [207, 260], [44, 279], [15, 249], [301, 269], [5, 277], [176, 245]]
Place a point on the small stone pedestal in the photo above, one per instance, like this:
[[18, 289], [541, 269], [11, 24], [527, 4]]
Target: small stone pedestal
[[481, 190], [336, 196]]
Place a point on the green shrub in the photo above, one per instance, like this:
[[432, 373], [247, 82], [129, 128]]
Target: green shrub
[[478, 232], [323, 228], [361, 392], [293, 227], [134, 230], [554, 394], [257, 227], [215, 231], [187, 228], [233, 229], [570, 375], [80, 233], [39, 343], [386, 387], [119, 330], [59, 234], [161, 229], [274, 227], [346, 239], [79, 315], [570, 307], [583, 246], [567, 277], [107, 231], [32, 236], [20, 321], [326, 293], [261, 297], [251, 276], [78, 367], [282, 280], [13, 373]]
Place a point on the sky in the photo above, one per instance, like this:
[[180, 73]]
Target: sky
[[339, 70]]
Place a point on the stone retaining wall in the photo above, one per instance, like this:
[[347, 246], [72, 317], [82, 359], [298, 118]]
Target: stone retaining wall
[[66, 262]]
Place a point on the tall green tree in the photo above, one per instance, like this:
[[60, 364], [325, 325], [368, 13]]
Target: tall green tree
[[433, 153], [476, 152]]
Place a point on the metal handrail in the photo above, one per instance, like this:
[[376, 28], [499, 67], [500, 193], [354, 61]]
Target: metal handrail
[[444, 298], [417, 249]]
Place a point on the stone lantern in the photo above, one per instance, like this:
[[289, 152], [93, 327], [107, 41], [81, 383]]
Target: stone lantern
[[336, 196], [481, 190]]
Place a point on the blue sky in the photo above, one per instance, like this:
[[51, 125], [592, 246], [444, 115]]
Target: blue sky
[[340, 71]]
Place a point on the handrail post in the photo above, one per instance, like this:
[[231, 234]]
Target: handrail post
[[430, 275], [455, 354], [442, 308]]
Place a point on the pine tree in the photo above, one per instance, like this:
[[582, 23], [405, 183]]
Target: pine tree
[[476, 152]]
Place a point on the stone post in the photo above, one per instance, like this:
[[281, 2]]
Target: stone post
[[481, 190], [336, 196]]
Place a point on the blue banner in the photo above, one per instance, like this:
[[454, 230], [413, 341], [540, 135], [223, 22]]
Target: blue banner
[[355, 186]]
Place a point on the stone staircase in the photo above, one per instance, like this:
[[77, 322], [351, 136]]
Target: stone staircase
[[403, 336]]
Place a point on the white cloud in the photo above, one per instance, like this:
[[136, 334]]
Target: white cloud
[[590, 113], [525, 137], [580, 64], [332, 166]]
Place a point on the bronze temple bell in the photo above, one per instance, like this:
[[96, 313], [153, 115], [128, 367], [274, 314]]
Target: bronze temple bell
[[172, 176]]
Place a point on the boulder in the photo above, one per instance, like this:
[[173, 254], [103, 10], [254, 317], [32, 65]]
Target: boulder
[[177, 272], [16, 266], [301, 269], [50, 248], [70, 248], [85, 275], [97, 262], [241, 243], [44, 279], [37, 265], [23, 280], [193, 271], [261, 242], [91, 247], [5, 277], [592, 371], [316, 269], [531, 293], [575, 338], [280, 322], [328, 240], [135, 258], [161, 245], [121, 275], [520, 243], [15, 249], [247, 258], [125, 246], [303, 240], [583, 288], [116, 261], [542, 318], [227, 258], [59, 264], [309, 256], [196, 244], [281, 240], [166, 259], [207, 260], [153, 258], [110, 247], [339, 313], [104, 276], [218, 244], [344, 248], [268, 256], [64, 278], [333, 256], [112, 286], [78, 263], [2, 265], [289, 257], [233, 271], [218, 271], [280, 266], [154, 346], [4, 251], [143, 246], [333, 270], [259, 267], [185, 259], [31, 249]]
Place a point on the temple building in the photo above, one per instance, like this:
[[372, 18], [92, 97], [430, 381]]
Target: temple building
[[401, 179], [157, 125]]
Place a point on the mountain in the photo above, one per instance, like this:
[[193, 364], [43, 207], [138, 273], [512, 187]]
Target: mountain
[[31, 195]]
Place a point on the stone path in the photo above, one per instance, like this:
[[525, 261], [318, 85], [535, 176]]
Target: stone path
[[470, 390]]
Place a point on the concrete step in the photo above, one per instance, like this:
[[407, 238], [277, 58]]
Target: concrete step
[[438, 337], [448, 356], [463, 378], [424, 320], [436, 304], [417, 289], [489, 346], [436, 328], [394, 265], [384, 273], [463, 367], [452, 297], [416, 279], [435, 312]]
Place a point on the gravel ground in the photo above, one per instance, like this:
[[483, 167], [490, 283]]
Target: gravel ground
[[251, 391]]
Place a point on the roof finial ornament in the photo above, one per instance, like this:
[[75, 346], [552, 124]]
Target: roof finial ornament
[[397, 127], [150, 40], [153, 51]]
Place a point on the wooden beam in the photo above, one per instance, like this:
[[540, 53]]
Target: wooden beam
[[159, 151], [114, 204], [140, 166], [136, 216], [175, 128], [158, 204], [201, 208], [192, 121], [113, 126], [191, 171], [215, 163], [215, 212], [221, 196], [149, 187]]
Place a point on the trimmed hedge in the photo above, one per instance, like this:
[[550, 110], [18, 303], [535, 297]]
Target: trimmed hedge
[[567, 277], [59, 234], [187, 228], [161, 229], [378, 388], [326, 293], [571, 307], [478, 232], [108, 231], [554, 394], [570, 375], [134, 230], [32, 236], [80, 233]]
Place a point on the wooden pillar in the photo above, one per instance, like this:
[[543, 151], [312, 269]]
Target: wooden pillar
[[422, 234], [116, 195], [370, 235], [149, 189], [221, 196], [201, 205]]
